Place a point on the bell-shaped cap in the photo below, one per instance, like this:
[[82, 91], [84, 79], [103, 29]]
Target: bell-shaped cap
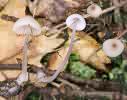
[[76, 20], [94, 10], [27, 26], [113, 47]]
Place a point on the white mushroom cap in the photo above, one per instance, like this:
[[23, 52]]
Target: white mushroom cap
[[94, 10], [113, 47], [27, 25], [76, 19]]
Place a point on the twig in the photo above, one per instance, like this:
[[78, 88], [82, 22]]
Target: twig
[[82, 93], [69, 84], [31, 68], [114, 7], [122, 34], [97, 84], [9, 18], [117, 14], [10, 66], [55, 84]]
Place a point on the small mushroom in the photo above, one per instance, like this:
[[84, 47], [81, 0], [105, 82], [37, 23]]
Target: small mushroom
[[113, 47], [94, 10], [75, 22], [26, 26]]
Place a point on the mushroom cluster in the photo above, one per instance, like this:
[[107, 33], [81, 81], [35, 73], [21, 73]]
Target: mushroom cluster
[[54, 11]]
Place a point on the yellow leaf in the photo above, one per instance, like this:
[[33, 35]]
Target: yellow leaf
[[15, 8]]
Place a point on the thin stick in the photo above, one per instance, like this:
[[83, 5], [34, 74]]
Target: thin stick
[[56, 84], [10, 66], [68, 83], [122, 34], [114, 7]]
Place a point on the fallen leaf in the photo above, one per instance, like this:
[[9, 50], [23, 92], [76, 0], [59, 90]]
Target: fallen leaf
[[53, 10], [56, 59], [7, 40], [13, 8]]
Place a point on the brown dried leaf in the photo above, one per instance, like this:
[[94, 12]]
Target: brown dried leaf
[[57, 58], [54, 10]]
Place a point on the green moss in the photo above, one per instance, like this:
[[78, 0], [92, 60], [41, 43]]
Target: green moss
[[83, 71]]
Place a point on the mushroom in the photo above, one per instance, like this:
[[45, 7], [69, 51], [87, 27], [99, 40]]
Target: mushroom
[[113, 47], [75, 22], [94, 10], [26, 26]]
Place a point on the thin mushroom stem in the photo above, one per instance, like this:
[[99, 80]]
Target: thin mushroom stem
[[24, 75], [25, 60], [64, 62]]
